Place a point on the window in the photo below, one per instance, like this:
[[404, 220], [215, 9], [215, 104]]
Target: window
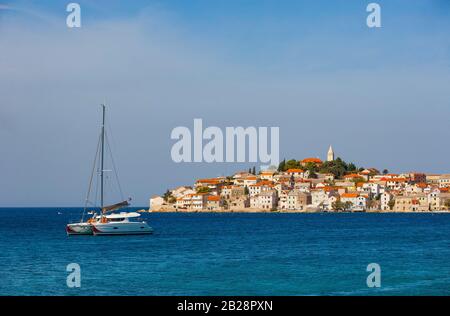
[[117, 220]]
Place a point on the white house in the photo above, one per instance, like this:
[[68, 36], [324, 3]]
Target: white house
[[297, 173], [250, 180], [321, 198], [385, 198], [282, 199], [180, 191], [266, 200], [267, 175], [199, 201], [351, 198], [444, 181], [374, 189], [297, 200], [156, 202]]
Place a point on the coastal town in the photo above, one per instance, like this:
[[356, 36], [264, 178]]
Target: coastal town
[[311, 185]]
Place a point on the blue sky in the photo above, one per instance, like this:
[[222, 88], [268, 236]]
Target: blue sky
[[313, 68]]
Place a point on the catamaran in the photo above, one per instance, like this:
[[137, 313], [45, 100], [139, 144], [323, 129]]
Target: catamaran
[[120, 224], [105, 222]]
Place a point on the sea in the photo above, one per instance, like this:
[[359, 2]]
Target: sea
[[228, 254]]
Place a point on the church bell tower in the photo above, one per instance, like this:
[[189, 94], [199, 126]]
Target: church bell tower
[[330, 154]]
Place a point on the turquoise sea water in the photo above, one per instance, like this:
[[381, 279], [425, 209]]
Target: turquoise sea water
[[228, 254]]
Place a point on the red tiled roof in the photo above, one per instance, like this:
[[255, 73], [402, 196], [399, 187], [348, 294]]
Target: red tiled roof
[[208, 181], [349, 195], [314, 160], [294, 171], [352, 175]]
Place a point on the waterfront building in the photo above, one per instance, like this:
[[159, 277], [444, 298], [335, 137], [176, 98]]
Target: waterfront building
[[279, 187], [185, 201], [214, 203], [385, 198], [225, 192], [438, 200], [403, 204], [259, 187], [297, 200], [239, 204], [350, 197], [361, 203], [282, 199], [198, 201], [320, 198], [444, 181], [266, 200], [156, 202], [237, 192]]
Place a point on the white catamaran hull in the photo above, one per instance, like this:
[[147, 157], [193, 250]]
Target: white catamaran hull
[[79, 229], [121, 228]]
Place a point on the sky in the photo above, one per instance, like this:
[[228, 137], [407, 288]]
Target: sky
[[314, 69]]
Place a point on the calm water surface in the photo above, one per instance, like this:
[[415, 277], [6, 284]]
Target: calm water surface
[[228, 254]]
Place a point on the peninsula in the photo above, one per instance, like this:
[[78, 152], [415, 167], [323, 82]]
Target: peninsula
[[311, 185]]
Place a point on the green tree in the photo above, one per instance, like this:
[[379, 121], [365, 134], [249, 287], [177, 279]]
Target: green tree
[[385, 171], [358, 180], [351, 167], [172, 199], [337, 205], [246, 192], [167, 195], [337, 167], [254, 170], [371, 203], [347, 205], [311, 166], [203, 190], [224, 203], [292, 164], [391, 204], [282, 165], [447, 204]]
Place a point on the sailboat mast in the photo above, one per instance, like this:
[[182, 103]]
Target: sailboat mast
[[102, 158]]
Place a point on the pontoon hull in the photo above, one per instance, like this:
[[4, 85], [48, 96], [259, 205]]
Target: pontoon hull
[[79, 229], [121, 228]]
